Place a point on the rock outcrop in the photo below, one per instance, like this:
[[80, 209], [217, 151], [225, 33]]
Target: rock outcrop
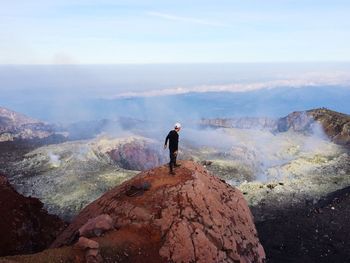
[[16, 126], [14, 119], [190, 217], [335, 125], [298, 121], [24, 226], [95, 227]]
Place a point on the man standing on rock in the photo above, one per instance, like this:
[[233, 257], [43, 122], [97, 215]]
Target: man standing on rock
[[173, 138]]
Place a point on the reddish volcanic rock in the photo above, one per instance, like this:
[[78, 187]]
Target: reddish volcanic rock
[[25, 227], [96, 226], [85, 243], [190, 217], [91, 249]]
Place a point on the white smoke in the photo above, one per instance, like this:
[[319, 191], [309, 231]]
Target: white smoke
[[54, 159], [263, 152]]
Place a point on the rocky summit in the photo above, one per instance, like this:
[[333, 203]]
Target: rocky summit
[[155, 217]]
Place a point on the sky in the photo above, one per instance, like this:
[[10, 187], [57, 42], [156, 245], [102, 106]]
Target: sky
[[162, 31]]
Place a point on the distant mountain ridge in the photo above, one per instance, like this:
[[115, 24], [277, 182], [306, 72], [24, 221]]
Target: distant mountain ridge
[[14, 125], [336, 125], [9, 118]]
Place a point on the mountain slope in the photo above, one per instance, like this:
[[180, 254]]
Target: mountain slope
[[11, 118], [15, 125], [335, 125]]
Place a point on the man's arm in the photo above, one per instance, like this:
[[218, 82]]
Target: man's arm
[[166, 141]]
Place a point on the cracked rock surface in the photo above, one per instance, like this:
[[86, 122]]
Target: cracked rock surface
[[190, 217]]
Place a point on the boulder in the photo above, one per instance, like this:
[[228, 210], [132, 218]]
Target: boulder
[[85, 243], [190, 217], [96, 226], [91, 249]]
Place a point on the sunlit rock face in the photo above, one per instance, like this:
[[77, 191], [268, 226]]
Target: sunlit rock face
[[190, 217]]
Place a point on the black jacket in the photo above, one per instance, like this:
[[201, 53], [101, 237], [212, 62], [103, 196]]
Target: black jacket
[[173, 138]]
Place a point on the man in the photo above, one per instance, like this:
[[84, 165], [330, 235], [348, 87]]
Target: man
[[173, 138]]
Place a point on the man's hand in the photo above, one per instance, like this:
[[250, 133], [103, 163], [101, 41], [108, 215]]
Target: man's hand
[[175, 153], [165, 146]]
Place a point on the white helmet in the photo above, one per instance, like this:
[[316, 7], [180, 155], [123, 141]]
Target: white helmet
[[177, 125]]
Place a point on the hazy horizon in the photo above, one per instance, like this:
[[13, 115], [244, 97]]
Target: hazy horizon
[[109, 80], [84, 92]]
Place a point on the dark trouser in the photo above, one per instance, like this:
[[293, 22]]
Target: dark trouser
[[172, 160]]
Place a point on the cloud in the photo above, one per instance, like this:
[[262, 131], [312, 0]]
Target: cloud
[[186, 19], [306, 80]]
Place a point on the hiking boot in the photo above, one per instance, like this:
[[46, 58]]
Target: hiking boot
[[177, 165]]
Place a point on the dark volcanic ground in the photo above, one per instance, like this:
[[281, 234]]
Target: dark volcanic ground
[[318, 233], [25, 226]]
